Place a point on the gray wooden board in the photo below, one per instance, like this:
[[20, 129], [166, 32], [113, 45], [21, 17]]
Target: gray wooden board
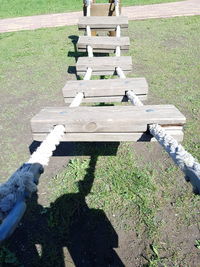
[[103, 43], [106, 119], [109, 87], [103, 9], [109, 137], [103, 65], [106, 99], [103, 22]]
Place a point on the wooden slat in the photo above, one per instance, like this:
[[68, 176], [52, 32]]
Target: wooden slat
[[103, 43], [109, 87], [109, 137], [104, 99], [106, 119], [103, 22], [102, 9], [103, 65]]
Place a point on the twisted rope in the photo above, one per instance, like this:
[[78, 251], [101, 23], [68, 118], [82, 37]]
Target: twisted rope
[[22, 181], [187, 163]]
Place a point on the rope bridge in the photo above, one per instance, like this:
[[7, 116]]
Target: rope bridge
[[23, 182]]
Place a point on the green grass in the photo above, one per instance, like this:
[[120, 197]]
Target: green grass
[[139, 189], [113, 184], [17, 8]]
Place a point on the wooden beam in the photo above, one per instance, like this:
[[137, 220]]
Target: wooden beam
[[109, 137], [103, 23], [103, 65], [103, 44], [117, 119], [105, 88], [102, 9]]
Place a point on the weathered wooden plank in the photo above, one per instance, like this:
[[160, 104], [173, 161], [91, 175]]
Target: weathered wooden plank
[[103, 65], [102, 9], [103, 22], [105, 99], [103, 43], [106, 119], [109, 137], [109, 87]]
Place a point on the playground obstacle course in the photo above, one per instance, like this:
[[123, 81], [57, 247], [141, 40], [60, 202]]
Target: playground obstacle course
[[108, 123], [89, 124], [163, 123]]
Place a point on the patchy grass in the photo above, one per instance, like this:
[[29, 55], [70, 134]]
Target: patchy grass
[[135, 201], [114, 184], [166, 62], [33, 71], [18, 8]]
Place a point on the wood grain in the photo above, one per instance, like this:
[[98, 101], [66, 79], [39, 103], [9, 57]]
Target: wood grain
[[109, 137], [119, 119], [103, 43], [102, 88], [103, 65], [103, 22]]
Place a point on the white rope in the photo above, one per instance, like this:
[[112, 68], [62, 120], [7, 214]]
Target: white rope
[[90, 51], [88, 31], [45, 150], [87, 2], [187, 163], [118, 51], [77, 100], [23, 180], [134, 99], [117, 7], [88, 74], [120, 73], [118, 31], [88, 10]]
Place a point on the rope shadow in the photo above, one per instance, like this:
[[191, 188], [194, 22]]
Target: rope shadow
[[67, 231]]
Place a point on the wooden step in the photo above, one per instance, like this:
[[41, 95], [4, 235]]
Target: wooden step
[[103, 22], [102, 9], [103, 44], [103, 65], [111, 90], [114, 123], [111, 137]]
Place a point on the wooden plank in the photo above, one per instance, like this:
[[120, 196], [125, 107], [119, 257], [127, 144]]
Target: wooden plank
[[103, 65], [108, 87], [102, 9], [106, 119], [103, 43], [109, 137], [104, 99], [103, 22]]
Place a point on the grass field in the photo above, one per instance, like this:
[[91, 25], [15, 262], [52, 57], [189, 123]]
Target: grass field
[[17, 8], [126, 196]]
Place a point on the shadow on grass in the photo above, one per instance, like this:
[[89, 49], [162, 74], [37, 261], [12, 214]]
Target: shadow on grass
[[68, 231]]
